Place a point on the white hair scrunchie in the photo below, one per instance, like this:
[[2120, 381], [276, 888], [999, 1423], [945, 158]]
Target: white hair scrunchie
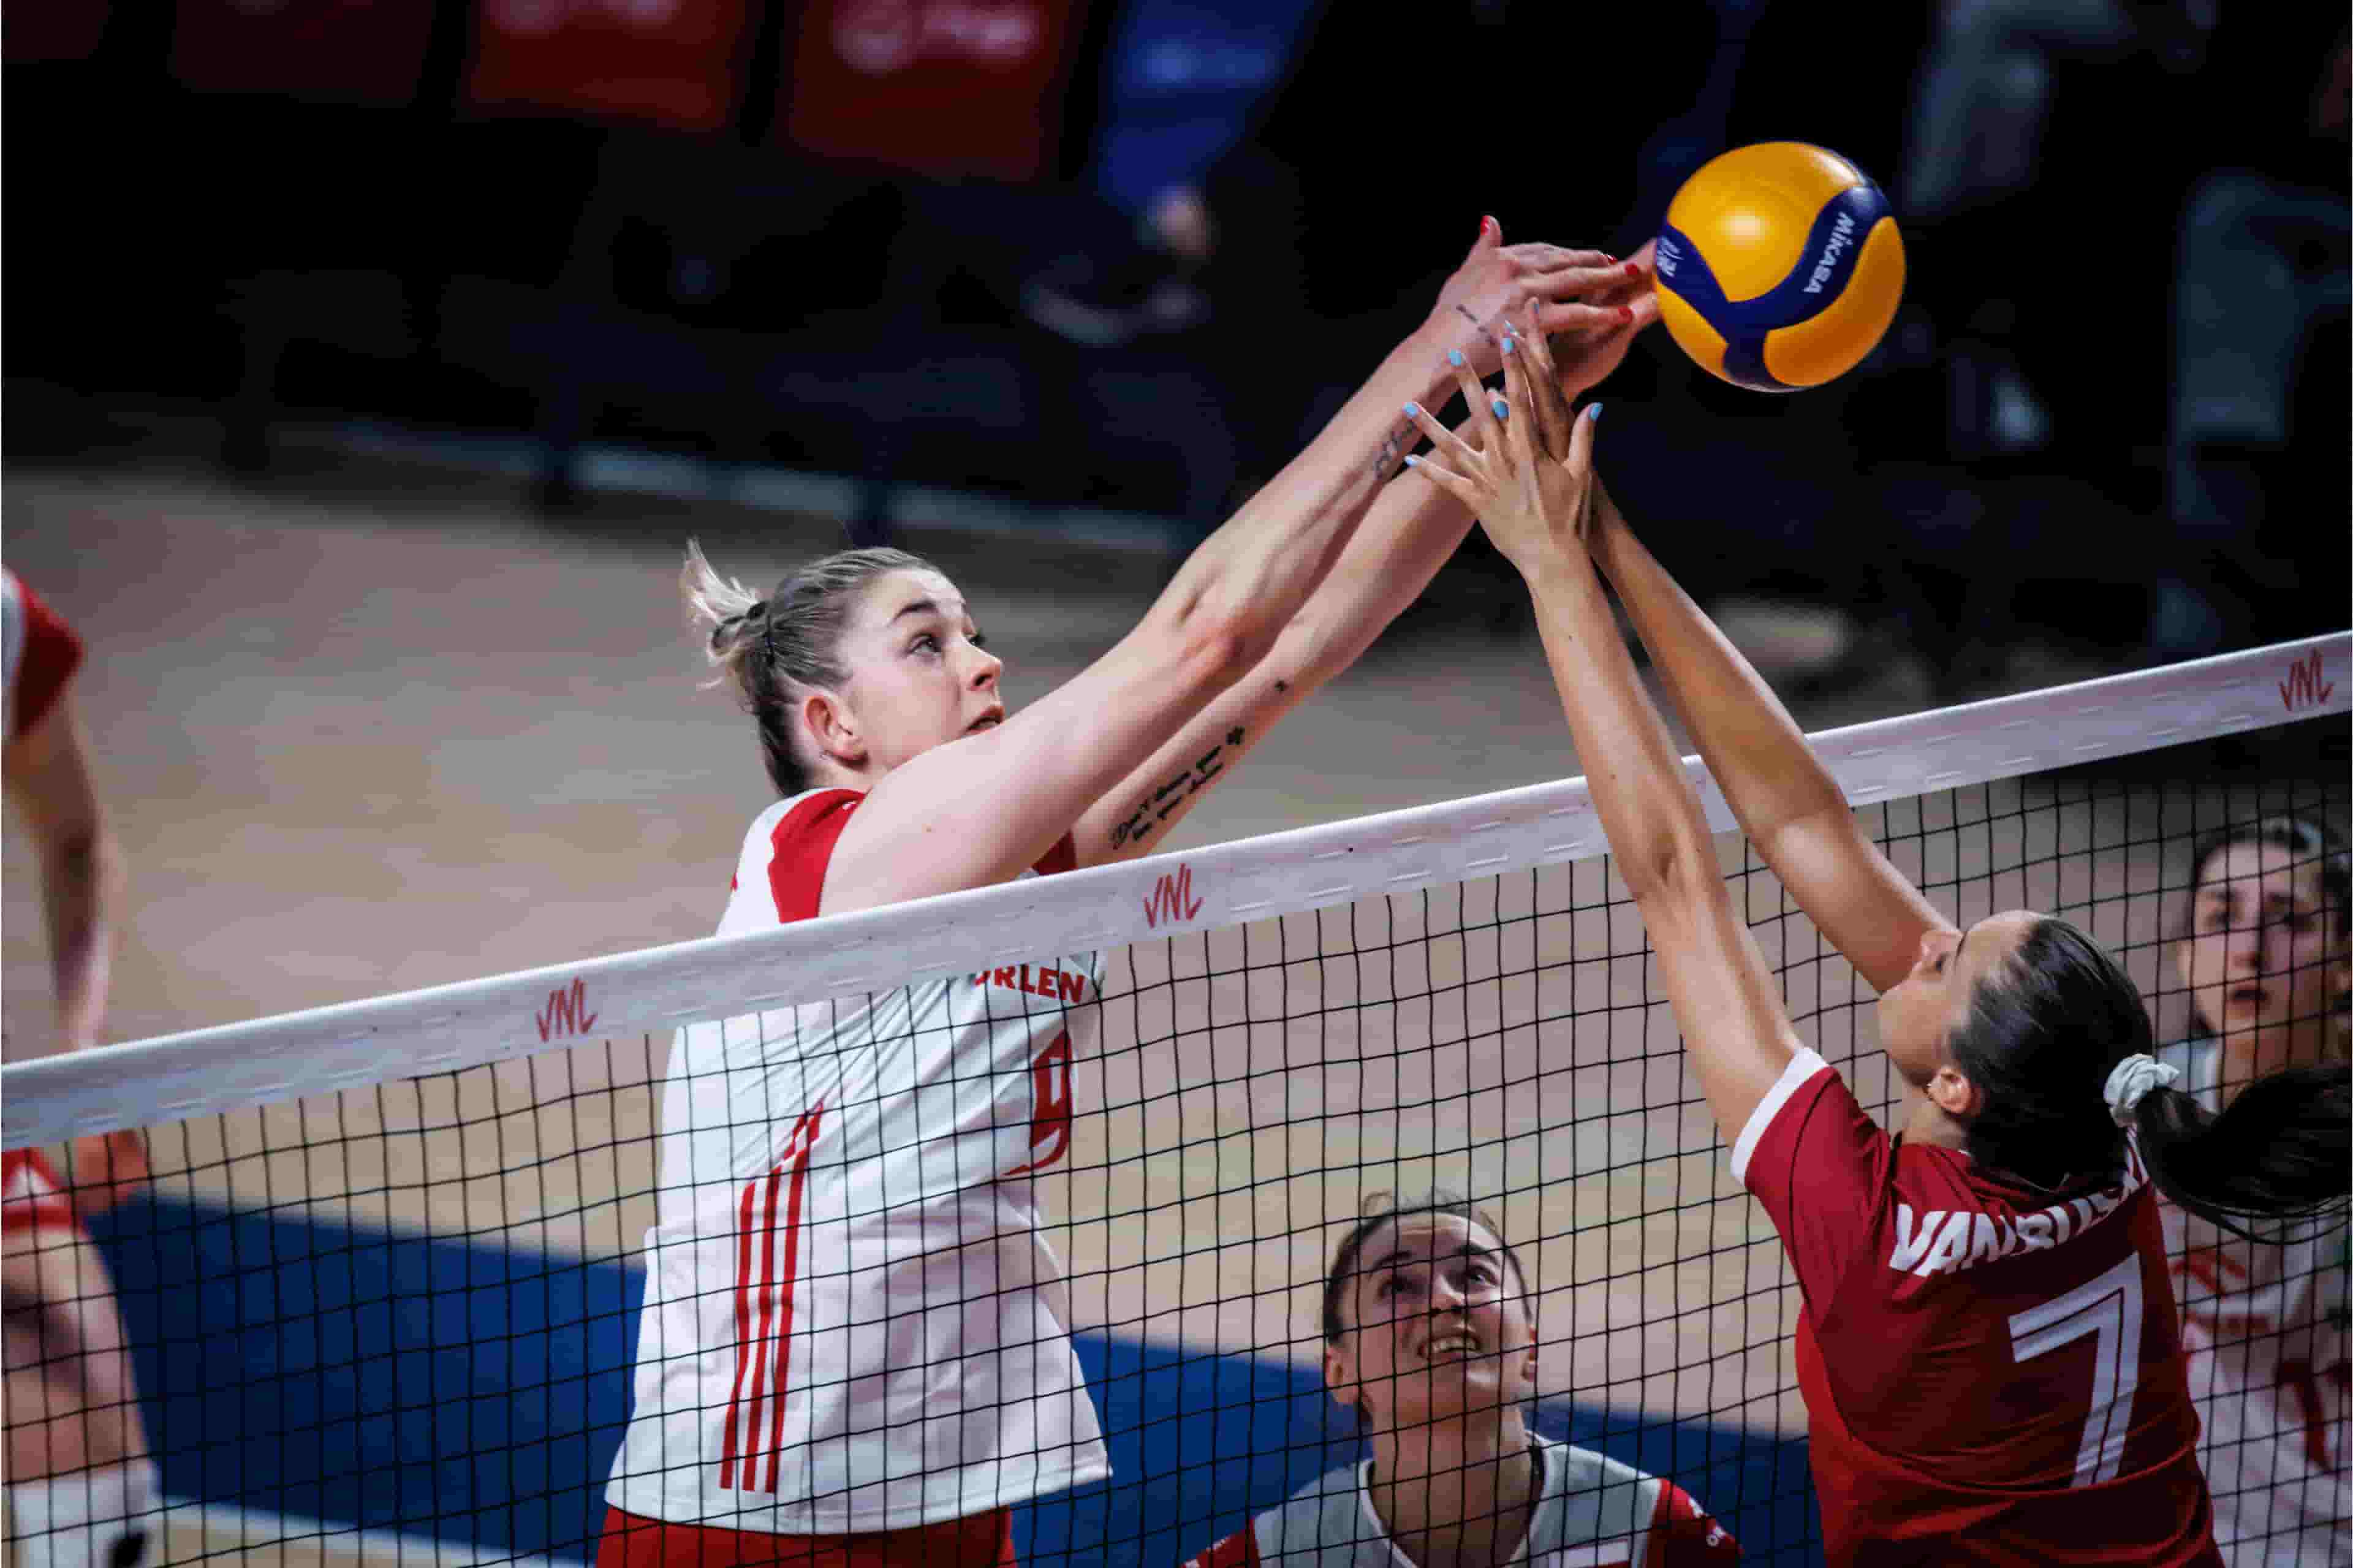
[[2131, 1079]]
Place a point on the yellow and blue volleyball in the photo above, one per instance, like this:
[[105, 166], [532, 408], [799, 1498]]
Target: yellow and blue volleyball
[[1779, 266]]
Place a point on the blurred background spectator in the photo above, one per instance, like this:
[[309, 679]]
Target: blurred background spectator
[[1086, 253]]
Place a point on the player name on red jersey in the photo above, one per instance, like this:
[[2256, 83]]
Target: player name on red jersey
[[1946, 1242]]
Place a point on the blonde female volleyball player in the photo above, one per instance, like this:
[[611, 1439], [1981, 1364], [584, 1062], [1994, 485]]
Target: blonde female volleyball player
[[80, 1479], [853, 1347], [1989, 1348], [1430, 1334], [2266, 955]]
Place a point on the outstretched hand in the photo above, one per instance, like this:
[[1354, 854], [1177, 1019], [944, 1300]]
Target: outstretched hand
[[1595, 298], [1533, 506], [1578, 362]]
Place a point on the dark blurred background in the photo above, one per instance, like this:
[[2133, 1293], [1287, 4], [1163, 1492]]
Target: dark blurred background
[[1128, 254]]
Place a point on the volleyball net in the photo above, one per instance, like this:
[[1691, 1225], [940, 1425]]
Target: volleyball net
[[381, 1291]]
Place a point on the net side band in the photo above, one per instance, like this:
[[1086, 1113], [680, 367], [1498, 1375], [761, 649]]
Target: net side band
[[450, 1027]]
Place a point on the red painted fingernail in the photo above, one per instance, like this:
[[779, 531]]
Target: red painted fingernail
[[1633, 270], [1625, 313], [1485, 225], [1609, 258]]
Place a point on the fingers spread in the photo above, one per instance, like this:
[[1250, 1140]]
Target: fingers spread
[[1520, 423], [1467, 381], [1441, 439], [1551, 434]]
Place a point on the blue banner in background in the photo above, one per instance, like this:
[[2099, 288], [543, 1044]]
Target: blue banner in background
[[475, 1394]]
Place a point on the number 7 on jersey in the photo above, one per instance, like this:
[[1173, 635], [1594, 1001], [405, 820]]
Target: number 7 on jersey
[[2108, 1309]]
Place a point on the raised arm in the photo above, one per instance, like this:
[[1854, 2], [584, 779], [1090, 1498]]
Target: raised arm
[[1724, 996], [1411, 530], [1786, 800], [47, 776], [982, 808], [46, 770]]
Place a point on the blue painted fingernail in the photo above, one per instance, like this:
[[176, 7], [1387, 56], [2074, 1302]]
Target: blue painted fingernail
[[1412, 409], [1454, 358], [1503, 411], [1593, 412], [1413, 462], [1510, 344]]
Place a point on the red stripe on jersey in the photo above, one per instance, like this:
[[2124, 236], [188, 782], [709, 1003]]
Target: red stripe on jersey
[[51, 655], [774, 1310], [1683, 1536], [792, 1273], [1239, 1550], [976, 1541], [767, 1297], [1062, 857], [2298, 1377], [31, 1195], [744, 1233], [801, 845]]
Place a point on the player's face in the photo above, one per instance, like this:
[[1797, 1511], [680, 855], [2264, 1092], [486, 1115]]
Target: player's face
[[1918, 1013], [2265, 954], [1438, 1325], [919, 672]]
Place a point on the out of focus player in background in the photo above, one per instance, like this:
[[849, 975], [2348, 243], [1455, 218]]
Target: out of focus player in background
[[81, 1485], [2266, 955]]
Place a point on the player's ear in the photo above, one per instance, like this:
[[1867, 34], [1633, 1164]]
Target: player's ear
[[832, 727], [1955, 1094], [1340, 1374]]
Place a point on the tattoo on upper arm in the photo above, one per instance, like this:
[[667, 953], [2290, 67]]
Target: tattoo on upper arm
[[1153, 810]]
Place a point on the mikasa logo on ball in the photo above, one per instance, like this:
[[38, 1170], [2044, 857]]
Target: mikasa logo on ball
[[1668, 255], [1841, 236]]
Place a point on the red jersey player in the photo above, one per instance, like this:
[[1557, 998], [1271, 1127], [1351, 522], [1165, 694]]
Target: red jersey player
[[853, 1347], [79, 1482], [1430, 1333], [1989, 1349]]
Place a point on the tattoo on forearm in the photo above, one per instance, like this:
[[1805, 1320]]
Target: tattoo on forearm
[[1391, 456], [1154, 809]]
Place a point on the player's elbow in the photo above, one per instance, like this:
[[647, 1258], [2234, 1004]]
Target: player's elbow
[[1210, 651], [1673, 870]]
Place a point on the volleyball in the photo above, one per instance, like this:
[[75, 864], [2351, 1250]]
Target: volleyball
[[1779, 267]]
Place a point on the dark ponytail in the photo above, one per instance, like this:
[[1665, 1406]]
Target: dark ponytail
[[2275, 1165], [2043, 1033], [2043, 1030]]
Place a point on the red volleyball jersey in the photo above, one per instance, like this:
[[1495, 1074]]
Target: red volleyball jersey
[[1992, 1374], [40, 653]]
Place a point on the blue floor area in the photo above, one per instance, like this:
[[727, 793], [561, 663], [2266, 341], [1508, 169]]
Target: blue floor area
[[476, 1394]]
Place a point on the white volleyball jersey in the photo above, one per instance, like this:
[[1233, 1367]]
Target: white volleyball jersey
[[2264, 1331], [852, 1321], [1591, 1512]]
